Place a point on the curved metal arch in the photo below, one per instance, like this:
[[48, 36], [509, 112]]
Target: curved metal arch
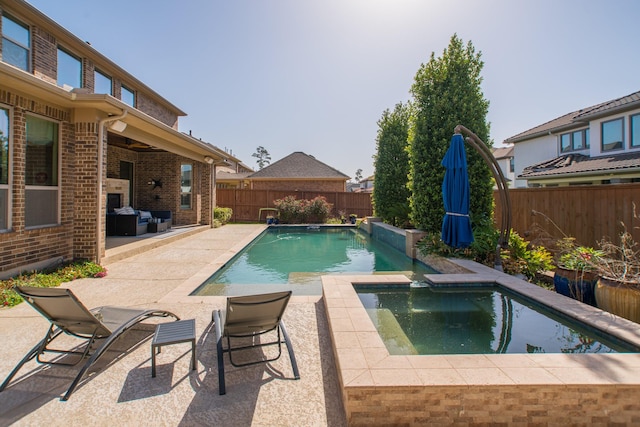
[[501, 182]]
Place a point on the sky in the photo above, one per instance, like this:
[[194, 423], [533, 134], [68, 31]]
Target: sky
[[316, 75]]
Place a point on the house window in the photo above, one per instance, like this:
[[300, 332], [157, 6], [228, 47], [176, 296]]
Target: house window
[[4, 168], [574, 141], [102, 83], [127, 96], [41, 173], [185, 185], [635, 130], [16, 43], [512, 165], [69, 70], [612, 135], [565, 142]]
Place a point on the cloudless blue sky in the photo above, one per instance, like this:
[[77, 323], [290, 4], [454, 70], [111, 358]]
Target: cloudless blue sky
[[316, 75]]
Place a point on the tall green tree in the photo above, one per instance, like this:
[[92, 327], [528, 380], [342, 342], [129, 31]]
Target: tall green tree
[[391, 162], [263, 157], [446, 92]]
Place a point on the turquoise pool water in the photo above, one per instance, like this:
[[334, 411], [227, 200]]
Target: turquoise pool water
[[474, 320], [295, 258]]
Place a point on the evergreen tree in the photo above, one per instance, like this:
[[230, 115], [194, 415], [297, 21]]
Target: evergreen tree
[[391, 162], [446, 92]]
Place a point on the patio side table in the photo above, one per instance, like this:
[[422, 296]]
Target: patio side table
[[177, 332]]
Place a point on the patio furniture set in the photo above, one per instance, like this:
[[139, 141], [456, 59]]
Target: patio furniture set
[[245, 318]]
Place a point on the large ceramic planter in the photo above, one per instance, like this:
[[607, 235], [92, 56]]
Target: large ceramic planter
[[622, 299], [579, 285]]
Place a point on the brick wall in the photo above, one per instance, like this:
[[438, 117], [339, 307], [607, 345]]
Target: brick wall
[[165, 167], [20, 246], [491, 405], [299, 185], [85, 204]]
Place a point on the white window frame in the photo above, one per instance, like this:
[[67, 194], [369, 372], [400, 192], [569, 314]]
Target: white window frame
[[56, 188], [633, 137], [8, 187], [17, 43]]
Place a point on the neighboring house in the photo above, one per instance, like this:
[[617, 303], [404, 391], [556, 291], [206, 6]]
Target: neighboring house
[[298, 172], [504, 157], [77, 130], [366, 185], [595, 145], [233, 175]]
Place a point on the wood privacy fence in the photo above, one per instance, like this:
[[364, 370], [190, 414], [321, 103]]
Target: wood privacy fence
[[246, 204], [588, 213]]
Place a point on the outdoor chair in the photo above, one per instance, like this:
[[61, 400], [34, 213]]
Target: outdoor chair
[[249, 317], [67, 314]]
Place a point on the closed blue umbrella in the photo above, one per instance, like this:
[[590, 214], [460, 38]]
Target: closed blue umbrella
[[456, 226]]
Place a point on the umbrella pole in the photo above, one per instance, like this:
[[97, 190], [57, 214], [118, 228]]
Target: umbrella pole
[[503, 193]]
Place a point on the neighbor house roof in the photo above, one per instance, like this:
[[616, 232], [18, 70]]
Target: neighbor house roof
[[503, 152], [579, 164], [579, 118], [298, 165]]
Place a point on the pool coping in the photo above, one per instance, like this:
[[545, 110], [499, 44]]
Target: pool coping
[[363, 359]]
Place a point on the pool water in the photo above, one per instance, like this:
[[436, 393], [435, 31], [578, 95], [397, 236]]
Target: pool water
[[295, 258], [474, 320]]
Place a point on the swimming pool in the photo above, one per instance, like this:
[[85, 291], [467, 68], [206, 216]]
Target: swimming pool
[[479, 319], [296, 257]]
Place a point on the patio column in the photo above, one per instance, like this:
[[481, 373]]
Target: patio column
[[86, 186]]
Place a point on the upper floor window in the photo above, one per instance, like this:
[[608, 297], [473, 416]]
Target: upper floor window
[[102, 83], [635, 130], [127, 96], [185, 185], [4, 168], [41, 173], [16, 43], [612, 135], [512, 165], [69, 70], [574, 141]]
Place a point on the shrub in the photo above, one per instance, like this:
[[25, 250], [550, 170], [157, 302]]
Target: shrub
[[294, 211], [289, 209], [318, 209], [223, 215], [48, 279], [523, 258]]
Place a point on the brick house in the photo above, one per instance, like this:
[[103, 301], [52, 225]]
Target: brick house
[[74, 126], [298, 172]]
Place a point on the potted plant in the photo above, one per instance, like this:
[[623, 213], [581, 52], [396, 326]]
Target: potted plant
[[575, 275], [618, 288], [353, 218]]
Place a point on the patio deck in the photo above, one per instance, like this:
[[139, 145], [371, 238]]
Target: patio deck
[[160, 271], [124, 392]]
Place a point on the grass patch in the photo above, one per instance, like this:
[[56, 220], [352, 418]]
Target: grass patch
[[48, 279]]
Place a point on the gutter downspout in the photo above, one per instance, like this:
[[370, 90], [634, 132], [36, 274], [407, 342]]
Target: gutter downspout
[[99, 215]]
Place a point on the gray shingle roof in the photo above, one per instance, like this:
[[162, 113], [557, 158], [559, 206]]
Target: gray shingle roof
[[503, 152], [581, 164], [298, 165], [578, 118]]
